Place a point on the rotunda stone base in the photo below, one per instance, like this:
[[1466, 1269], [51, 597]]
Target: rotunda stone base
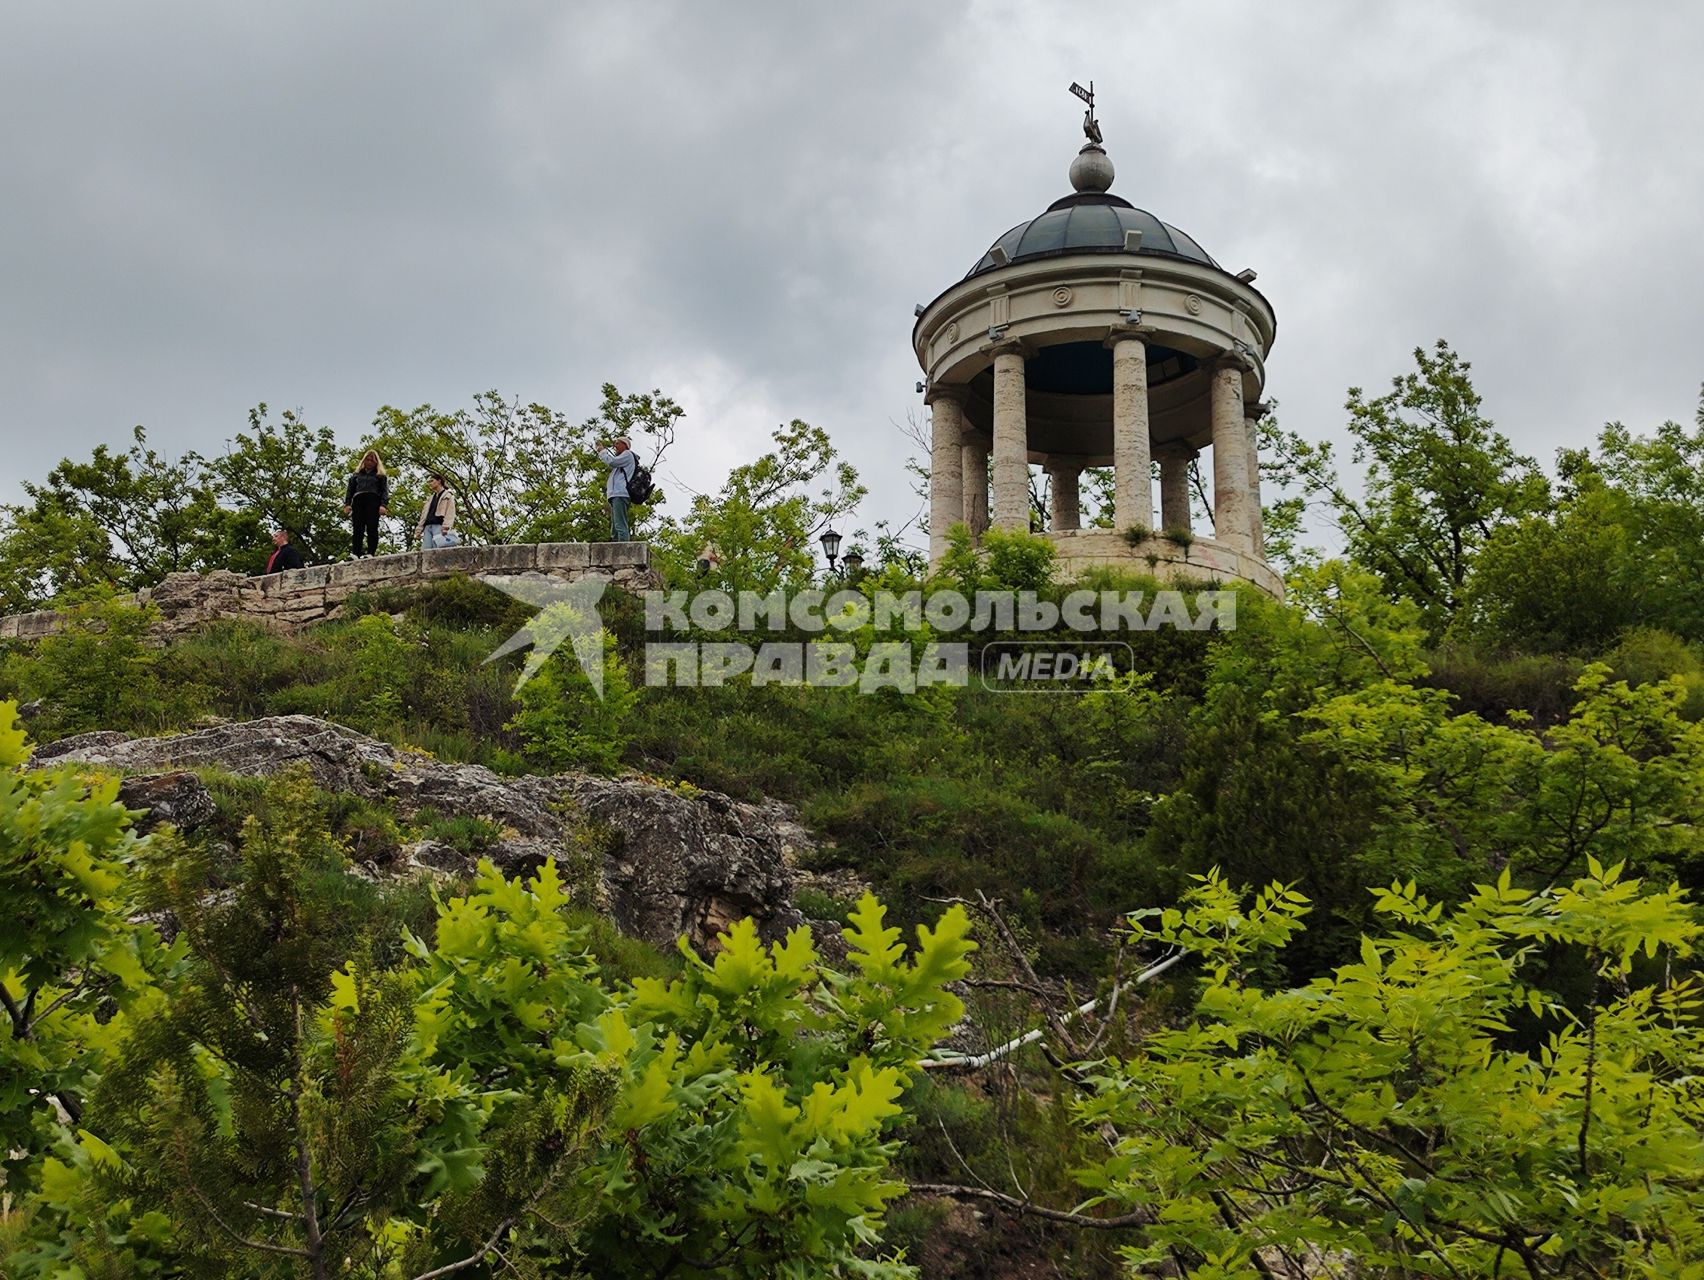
[[1202, 560]]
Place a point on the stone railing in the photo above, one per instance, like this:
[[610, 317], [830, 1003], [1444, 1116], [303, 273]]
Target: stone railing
[[300, 597]]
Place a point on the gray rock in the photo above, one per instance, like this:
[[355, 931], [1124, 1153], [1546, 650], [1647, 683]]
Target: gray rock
[[178, 798], [662, 863]]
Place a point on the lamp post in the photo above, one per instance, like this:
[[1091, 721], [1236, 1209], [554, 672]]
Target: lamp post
[[830, 546], [854, 564]]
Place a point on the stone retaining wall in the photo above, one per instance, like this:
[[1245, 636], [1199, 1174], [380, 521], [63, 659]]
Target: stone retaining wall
[[300, 597]]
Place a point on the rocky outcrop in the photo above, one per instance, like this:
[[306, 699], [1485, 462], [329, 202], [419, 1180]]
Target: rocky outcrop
[[667, 862], [184, 601]]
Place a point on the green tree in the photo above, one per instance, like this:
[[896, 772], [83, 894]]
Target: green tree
[[283, 475], [525, 473], [1567, 580], [308, 1097], [1440, 479], [119, 519], [50, 553], [1318, 755], [1387, 1118], [765, 520], [1659, 482], [99, 670], [290, 1107]]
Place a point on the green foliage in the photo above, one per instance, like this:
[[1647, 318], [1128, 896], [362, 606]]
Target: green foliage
[[378, 670], [1003, 560], [1440, 480], [524, 473], [1386, 1117], [566, 722], [284, 475], [1315, 756], [1646, 655], [765, 520], [1563, 580], [1017, 561], [1179, 536], [1137, 534], [98, 670], [298, 1100], [152, 513], [74, 969], [761, 1088], [47, 553]]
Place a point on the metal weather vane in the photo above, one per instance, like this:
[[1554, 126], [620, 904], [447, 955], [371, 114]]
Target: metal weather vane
[[1091, 126]]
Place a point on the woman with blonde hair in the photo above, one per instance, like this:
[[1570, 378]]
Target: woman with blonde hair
[[365, 498]]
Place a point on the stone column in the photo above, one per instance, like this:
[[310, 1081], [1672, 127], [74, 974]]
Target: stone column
[[1011, 439], [1252, 414], [1230, 458], [1174, 485], [946, 466], [973, 460], [1132, 465], [1063, 480]]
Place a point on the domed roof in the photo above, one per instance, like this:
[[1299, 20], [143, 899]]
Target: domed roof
[[1090, 222]]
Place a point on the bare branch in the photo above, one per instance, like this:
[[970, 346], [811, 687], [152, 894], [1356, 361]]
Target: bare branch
[[1122, 1222], [974, 1062], [261, 1245]]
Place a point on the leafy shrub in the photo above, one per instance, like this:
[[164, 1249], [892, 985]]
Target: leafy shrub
[[1137, 534], [101, 671], [566, 722], [1536, 685], [1647, 655]]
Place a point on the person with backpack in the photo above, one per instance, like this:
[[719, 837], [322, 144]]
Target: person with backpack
[[628, 483], [365, 498]]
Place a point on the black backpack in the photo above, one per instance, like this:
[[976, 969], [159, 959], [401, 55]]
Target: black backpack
[[639, 485]]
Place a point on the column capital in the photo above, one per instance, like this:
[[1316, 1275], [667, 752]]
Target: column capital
[[1233, 360], [1065, 462], [1143, 333], [1010, 347], [1255, 410], [955, 392], [1175, 449]]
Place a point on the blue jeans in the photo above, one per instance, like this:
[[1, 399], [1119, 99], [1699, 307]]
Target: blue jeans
[[434, 536], [619, 529]]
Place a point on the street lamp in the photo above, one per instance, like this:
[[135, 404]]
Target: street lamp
[[854, 563], [830, 546]]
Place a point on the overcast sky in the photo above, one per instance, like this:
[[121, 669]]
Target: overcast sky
[[336, 206]]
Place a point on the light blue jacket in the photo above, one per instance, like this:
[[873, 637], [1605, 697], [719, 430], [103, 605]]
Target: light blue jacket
[[621, 467]]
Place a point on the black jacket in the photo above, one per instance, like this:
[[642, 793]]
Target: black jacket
[[284, 557], [364, 483]]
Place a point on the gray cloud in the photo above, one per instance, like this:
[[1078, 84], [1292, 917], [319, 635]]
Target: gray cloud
[[341, 206]]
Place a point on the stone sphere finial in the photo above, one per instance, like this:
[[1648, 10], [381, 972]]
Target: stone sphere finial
[[1091, 171]]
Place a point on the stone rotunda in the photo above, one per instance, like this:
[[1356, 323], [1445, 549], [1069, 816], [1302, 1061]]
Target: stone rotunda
[[1095, 335]]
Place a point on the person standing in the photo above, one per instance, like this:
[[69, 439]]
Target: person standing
[[284, 556], [618, 456], [365, 498], [437, 526]]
